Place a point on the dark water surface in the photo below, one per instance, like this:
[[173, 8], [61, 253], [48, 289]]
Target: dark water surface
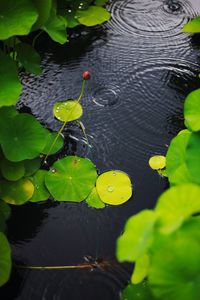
[[142, 68]]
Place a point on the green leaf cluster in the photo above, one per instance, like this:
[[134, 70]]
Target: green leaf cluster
[[164, 243]]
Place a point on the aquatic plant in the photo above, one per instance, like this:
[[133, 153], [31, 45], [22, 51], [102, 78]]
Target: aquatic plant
[[164, 243]]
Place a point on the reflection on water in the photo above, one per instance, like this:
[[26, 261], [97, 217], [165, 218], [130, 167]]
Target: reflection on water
[[142, 67]]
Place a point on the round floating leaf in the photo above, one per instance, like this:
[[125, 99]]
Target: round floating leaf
[[5, 259], [12, 170], [175, 270], [137, 292], [29, 58], [6, 114], [192, 26], [50, 140], [10, 86], [40, 191], [67, 111], [94, 15], [192, 111], [193, 157], [137, 237], [31, 166], [71, 179], [43, 9], [157, 162], [16, 192], [16, 18], [114, 187], [22, 138], [141, 269], [93, 200], [176, 160], [55, 26], [176, 205]]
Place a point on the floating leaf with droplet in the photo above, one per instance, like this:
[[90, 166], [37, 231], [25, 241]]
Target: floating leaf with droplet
[[137, 237], [71, 179], [176, 205], [157, 162], [50, 139], [93, 200], [5, 259], [16, 18], [93, 16], [114, 187], [40, 191], [22, 138], [67, 111], [10, 86], [16, 192], [12, 170], [192, 111]]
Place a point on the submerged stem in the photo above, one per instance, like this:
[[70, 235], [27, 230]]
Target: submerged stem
[[83, 266]]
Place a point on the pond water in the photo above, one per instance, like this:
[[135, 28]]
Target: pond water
[[142, 68]]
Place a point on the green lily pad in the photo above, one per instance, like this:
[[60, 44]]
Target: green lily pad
[[31, 166], [192, 26], [137, 292], [5, 210], [157, 162], [177, 170], [10, 86], [50, 140], [22, 138], [192, 111], [5, 259], [175, 269], [29, 58], [176, 205], [137, 237], [93, 16], [6, 114], [93, 200], [12, 170], [16, 18], [71, 179], [193, 157], [16, 192], [67, 111], [114, 187], [40, 191], [43, 8], [141, 269], [55, 26]]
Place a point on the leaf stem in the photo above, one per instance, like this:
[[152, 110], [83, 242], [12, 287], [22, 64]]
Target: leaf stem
[[83, 266], [35, 38], [64, 124]]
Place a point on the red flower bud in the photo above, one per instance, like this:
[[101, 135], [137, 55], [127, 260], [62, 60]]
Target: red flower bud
[[86, 75]]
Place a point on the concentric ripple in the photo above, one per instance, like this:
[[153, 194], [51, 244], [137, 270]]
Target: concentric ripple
[[146, 18]]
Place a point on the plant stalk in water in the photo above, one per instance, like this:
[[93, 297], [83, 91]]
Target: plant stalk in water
[[65, 123]]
